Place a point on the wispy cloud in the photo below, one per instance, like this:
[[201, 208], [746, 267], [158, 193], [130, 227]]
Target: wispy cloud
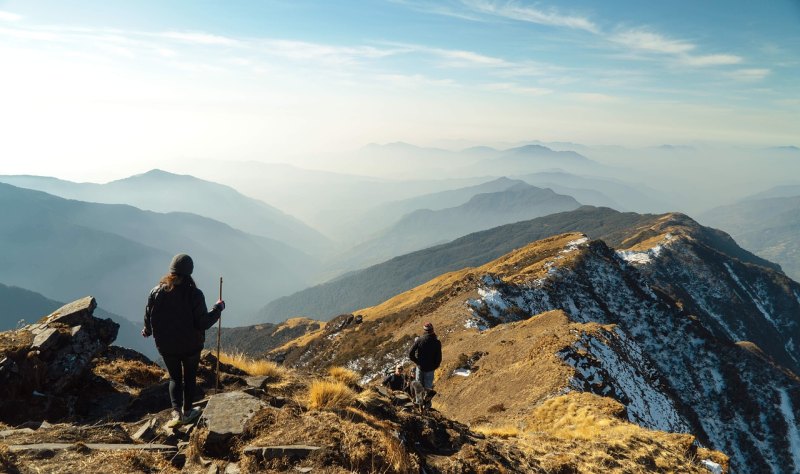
[[199, 38], [749, 75], [593, 97], [8, 16], [645, 40], [517, 88], [413, 80], [519, 12], [711, 60], [461, 58]]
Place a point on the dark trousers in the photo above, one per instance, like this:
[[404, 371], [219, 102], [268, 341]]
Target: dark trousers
[[182, 373]]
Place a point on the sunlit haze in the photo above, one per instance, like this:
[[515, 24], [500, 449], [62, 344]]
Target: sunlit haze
[[99, 90]]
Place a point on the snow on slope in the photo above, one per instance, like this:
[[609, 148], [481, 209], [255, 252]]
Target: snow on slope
[[705, 382], [608, 363]]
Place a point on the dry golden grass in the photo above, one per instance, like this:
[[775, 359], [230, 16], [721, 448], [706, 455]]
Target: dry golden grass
[[95, 462], [363, 442], [580, 416], [12, 341], [581, 432], [7, 460], [254, 366], [123, 462], [325, 394], [132, 373], [346, 376], [505, 431], [382, 453]]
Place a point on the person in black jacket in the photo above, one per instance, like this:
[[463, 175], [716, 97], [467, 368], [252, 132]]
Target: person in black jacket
[[397, 380], [177, 317], [427, 354]]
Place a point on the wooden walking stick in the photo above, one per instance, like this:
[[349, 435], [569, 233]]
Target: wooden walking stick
[[219, 334]]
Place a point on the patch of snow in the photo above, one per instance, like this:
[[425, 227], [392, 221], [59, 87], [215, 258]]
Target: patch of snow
[[476, 322], [622, 369], [573, 245], [755, 300], [711, 466], [462, 372], [493, 298], [791, 427], [640, 257]]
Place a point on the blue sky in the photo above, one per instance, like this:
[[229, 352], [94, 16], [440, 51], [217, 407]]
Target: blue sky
[[86, 80]]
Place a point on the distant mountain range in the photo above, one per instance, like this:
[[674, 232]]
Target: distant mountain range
[[768, 227], [598, 191], [21, 307], [161, 191], [409, 161], [423, 228], [327, 200], [116, 253], [372, 285], [384, 215]]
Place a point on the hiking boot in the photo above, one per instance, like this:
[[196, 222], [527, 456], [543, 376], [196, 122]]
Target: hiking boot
[[189, 416], [175, 418]]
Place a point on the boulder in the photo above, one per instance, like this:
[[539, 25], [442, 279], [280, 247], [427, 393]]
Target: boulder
[[50, 357], [225, 417]]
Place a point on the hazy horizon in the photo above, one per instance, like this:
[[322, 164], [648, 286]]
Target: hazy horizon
[[97, 91]]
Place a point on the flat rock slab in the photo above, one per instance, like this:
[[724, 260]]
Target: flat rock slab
[[296, 451], [257, 381], [52, 447], [227, 413], [73, 314], [20, 431]]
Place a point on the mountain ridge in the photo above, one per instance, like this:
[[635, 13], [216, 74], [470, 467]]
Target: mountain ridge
[[673, 368]]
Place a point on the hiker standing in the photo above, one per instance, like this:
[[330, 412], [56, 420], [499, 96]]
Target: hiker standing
[[427, 354], [397, 380], [177, 317]]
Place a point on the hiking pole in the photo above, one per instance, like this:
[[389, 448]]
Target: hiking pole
[[219, 334]]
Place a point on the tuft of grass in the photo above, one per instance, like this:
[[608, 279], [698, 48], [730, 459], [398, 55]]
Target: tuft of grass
[[252, 366], [505, 431], [132, 373], [7, 460], [325, 394], [379, 451], [125, 462], [346, 376]]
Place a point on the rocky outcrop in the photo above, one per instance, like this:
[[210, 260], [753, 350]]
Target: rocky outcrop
[[41, 361]]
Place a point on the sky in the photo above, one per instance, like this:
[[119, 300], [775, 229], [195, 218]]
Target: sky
[[99, 90]]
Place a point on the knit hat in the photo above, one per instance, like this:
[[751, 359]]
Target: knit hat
[[181, 264], [428, 327]]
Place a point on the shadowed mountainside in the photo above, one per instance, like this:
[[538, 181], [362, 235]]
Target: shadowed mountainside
[[161, 191], [119, 252], [768, 227], [424, 228]]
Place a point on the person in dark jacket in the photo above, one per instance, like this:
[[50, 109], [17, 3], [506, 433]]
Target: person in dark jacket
[[427, 354], [397, 380], [177, 317]]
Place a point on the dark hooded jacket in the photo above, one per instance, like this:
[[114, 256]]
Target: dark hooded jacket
[[426, 352], [178, 319]]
